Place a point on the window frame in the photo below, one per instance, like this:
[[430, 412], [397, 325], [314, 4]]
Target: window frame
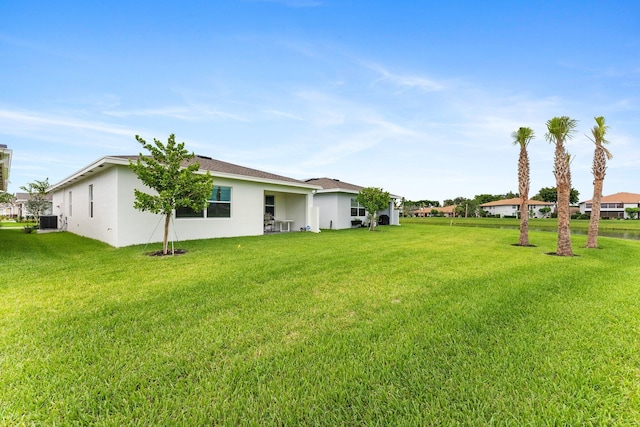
[[90, 200], [270, 208], [357, 208], [208, 212]]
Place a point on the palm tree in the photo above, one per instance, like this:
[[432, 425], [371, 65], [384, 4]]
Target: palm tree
[[600, 157], [522, 137], [559, 130]]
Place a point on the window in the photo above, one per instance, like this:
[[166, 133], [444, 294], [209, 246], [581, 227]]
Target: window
[[90, 200], [70, 203], [219, 206], [220, 203], [270, 205], [356, 208], [611, 206]]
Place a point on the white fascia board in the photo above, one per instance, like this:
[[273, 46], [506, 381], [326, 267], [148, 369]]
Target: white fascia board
[[347, 191], [82, 173], [336, 190]]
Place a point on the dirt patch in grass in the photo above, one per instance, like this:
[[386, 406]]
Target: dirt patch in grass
[[556, 254], [169, 253]]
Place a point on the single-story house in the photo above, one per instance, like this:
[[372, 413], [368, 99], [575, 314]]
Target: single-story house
[[614, 205], [97, 202], [446, 211], [339, 208], [18, 205], [511, 208]]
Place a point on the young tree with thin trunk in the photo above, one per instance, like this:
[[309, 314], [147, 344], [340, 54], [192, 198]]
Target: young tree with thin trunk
[[37, 204], [600, 157], [373, 199], [170, 171], [559, 129], [522, 137]]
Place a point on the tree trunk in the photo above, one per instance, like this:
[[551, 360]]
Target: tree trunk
[[167, 220], [524, 223], [523, 189], [564, 219], [594, 221]]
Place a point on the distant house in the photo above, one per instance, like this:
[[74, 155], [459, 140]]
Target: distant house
[[511, 208], [97, 202], [447, 211], [19, 205], [614, 205], [336, 201]]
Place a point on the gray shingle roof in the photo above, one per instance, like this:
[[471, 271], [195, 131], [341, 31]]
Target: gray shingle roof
[[333, 184], [213, 165]]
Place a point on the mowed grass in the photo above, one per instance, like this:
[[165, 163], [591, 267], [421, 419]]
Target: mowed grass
[[543, 223], [411, 325]]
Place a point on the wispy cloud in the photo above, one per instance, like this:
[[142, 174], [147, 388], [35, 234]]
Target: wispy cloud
[[178, 113], [19, 121], [284, 115], [366, 131], [406, 81]]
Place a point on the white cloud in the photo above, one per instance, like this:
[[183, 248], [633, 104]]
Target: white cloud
[[406, 81], [188, 113], [33, 123]]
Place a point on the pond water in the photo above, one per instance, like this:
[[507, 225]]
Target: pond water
[[620, 234]]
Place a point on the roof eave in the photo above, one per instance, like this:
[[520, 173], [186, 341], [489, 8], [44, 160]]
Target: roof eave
[[91, 168], [108, 161]]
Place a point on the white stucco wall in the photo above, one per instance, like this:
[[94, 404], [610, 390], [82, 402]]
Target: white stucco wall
[[619, 212], [513, 210], [335, 210], [73, 215], [327, 205]]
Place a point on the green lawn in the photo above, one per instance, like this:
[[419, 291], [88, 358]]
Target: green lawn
[[12, 224], [411, 325], [576, 224]]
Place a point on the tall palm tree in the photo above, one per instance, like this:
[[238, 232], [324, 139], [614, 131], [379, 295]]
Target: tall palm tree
[[522, 137], [600, 157], [559, 129]]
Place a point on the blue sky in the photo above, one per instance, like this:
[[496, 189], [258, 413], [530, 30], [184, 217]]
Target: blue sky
[[417, 97]]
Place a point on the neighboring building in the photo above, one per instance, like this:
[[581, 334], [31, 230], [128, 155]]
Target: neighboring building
[[511, 208], [614, 205], [338, 206], [97, 202], [5, 167], [19, 205], [17, 208], [447, 211]]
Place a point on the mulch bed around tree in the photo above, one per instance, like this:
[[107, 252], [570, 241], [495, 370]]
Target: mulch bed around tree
[[169, 253]]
